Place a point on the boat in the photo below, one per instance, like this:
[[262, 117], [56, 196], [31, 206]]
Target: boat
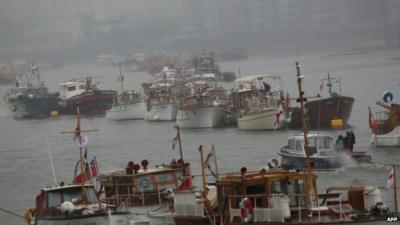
[[128, 105], [144, 191], [204, 107], [259, 103], [322, 110], [325, 153], [30, 98], [92, 99], [272, 196], [163, 94], [77, 203], [205, 65], [385, 126]]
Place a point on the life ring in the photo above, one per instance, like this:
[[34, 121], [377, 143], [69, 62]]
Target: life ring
[[28, 214], [246, 210], [387, 96], [144, 183]]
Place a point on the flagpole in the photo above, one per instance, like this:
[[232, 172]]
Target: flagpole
[[395, 188], [78, 134], [202, 168], [180, 144], [215, 160], [51, 161]]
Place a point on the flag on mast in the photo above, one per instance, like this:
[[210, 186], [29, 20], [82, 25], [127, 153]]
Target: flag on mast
[[174, 142], [390, 179]]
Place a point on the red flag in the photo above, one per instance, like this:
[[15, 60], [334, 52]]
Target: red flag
[[371, 120], [186, 184], [174, 142], [93, 172]]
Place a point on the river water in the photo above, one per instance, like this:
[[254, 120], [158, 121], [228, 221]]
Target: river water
[[24, 159]]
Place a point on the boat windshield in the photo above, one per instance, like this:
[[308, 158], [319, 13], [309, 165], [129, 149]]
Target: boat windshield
[[57, 197], [320, 143]]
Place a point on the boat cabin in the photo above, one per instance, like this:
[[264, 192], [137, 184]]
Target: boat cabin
[[48, 202], [195, 102], [278, 196], [257, 91], [71, 88], [143, 187], [321, 144]]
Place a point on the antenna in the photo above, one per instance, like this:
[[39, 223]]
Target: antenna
[[51, 161]]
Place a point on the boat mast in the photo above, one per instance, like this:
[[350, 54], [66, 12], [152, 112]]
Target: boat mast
[[121, 79], [78, 135], [310, 185], [395, 189]]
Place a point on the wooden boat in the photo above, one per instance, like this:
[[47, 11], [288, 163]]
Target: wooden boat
[[203, 107], [85, 92], [276, 196], [162, 104], [321, 111], [76, 203], [325, 155], [260, 106], [145, 192], [385, 126]]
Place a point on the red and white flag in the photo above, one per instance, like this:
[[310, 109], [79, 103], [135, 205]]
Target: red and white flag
[[390, 179], [174, 142]]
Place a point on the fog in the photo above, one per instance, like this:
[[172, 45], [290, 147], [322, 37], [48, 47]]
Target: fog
[[78, 30]]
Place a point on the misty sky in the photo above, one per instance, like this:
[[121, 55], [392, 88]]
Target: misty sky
[[85, 28]]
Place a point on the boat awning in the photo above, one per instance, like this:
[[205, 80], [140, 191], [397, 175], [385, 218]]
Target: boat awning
[[253, 78]]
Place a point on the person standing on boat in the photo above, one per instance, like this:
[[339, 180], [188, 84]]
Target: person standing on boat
[[351, 140], [340, 142]]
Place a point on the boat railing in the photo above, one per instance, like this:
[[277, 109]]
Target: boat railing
[[131, 197], [277, 208]]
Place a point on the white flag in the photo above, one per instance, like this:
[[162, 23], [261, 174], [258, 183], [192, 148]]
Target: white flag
[[390, 179], [84, 141]]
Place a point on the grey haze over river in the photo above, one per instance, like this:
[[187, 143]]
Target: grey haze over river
[[24, 162]]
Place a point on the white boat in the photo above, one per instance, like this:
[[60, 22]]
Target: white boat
[[162, 112], [386, 126], [259, 104], [199, 112], [131, 111], [128, 105]]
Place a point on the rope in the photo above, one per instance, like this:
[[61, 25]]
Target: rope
[[11, 213]]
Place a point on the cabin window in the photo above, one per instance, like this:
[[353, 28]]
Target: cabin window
[[324, 143], [53, 199], [81, 87], [291, 144], [256, 189], [279, 187], [71, 88], [91, 195], [299, 146], [73, 195], [295, 187]]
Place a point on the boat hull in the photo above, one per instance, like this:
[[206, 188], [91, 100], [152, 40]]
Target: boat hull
[[391, 139], [320, 113], [164, 112], [132, 111], [98, 219], [265, 120], [200, 118], [90, 102], [330, 162], [26, 107]]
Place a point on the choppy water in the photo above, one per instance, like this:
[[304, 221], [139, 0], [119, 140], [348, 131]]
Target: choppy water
[[24, 162]]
